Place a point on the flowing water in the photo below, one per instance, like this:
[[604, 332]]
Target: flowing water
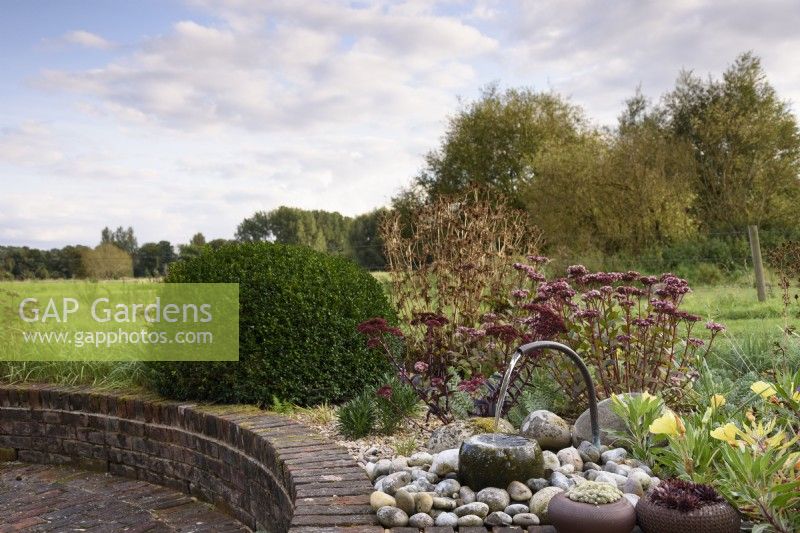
[[498, 409]]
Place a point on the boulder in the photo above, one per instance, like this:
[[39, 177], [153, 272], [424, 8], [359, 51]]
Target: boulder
[[549, 430], [493, 460], [453, 434], [607, 419]]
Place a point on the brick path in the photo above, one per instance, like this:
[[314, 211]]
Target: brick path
[[59, 498]]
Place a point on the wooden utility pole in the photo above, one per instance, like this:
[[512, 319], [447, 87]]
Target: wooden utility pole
[[758, 266]]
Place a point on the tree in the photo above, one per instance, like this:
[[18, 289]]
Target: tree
[[122, 238], [320, 230], [152, 259], [614, 191], [365, 242], [644, 196], [746, 144], [107, 261], [491, 142], [198, 239]]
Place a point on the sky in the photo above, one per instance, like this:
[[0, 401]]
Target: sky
[[176, 117]]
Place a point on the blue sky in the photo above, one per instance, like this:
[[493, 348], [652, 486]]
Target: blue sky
[[182, 116]]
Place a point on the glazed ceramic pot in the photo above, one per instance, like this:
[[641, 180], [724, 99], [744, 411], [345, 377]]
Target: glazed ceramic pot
[[715, 518], [577, 517]]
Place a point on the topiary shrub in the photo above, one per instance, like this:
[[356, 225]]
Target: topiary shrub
[[299, 309]]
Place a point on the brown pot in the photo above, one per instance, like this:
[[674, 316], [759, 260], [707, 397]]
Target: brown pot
[[716, 518], [577, 517]]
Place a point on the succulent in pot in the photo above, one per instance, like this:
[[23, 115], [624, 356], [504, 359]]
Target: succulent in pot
[[591, 506], [678, 505]]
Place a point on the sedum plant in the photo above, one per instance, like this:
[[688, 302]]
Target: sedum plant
[[594, 492]]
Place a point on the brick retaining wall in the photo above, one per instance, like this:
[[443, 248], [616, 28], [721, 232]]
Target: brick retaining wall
[[267, 471]]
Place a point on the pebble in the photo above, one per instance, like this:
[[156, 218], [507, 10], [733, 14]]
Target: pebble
[[624, 470], [424, 502], [420, 459], [448, 487], [411, 488], [445, 462], [496, 499], [570, 456], [466, 495], [632, 486], [566, 469], [383, 467], [476, 508], [391, 483], [498, 518], [470, 520], [405, 502], [446, 519], [371, 471], [420, 520], [550, 462], [632, 498], [541, 500], [561, 481], [516, 508], [591, 466], [419, 473], [448, 504], [525, 519], [614, 479], [380, 499], [392, 517], [641, 476], [537, 484], [399, 463], [617, 455], [588, 452], [519, 492], [424, 485]]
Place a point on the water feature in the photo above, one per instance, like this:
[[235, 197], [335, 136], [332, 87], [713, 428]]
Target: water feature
[[524, 351]]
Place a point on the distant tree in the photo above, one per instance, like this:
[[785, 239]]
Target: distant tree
[[217, 243], [365, 243], [490, 143], [198, 239], [122, 238], [746, 144], [107, 261], [152, 259], [320, 230]]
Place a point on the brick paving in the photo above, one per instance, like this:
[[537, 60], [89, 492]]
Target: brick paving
[[38, 498]]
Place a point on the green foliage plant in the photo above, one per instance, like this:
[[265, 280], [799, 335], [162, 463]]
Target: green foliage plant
[[395, 402], [356, 418], [297, 327], [637, 412]]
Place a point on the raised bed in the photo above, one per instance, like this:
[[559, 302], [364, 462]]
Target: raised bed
[[265, 470]]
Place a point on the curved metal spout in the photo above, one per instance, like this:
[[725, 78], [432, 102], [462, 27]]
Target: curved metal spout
[[526, 349]]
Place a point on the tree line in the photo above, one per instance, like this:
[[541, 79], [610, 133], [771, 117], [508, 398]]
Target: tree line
[[118, 255], [675, 179]]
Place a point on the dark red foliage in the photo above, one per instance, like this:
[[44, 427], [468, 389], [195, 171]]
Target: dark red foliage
[[683, 495]]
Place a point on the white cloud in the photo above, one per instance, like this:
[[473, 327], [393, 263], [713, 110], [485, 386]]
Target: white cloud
[[332, 104], [87, 39], [291, 66]]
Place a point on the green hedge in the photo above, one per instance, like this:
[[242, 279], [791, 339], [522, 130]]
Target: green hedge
[[297, 327]]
